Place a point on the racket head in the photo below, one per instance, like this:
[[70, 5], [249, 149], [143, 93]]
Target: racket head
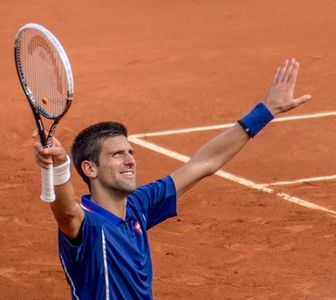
[[44, 71]]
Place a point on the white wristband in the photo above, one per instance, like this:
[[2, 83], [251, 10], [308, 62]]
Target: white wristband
[[62, 172]]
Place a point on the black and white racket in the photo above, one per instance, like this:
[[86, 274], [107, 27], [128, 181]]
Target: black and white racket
[[46, 77]]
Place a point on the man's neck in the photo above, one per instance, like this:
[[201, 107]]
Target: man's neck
[[115, 202]]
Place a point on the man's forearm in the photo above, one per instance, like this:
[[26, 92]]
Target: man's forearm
[[68, 213], [214, 154]]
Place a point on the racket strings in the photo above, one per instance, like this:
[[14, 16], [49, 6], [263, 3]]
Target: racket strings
[[44, 73]]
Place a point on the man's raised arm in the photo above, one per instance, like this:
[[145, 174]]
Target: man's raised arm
[[214, 154], [68, 213]]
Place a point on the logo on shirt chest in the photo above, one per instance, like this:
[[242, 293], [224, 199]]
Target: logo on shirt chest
[[137, 227]]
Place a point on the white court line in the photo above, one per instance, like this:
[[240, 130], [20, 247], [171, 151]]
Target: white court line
[[229, 176], [222, 126], [311, 179]]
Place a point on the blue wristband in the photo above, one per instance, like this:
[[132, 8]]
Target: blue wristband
[[256, 119]]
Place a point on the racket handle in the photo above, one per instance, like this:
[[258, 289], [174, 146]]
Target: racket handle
[[47, 178]]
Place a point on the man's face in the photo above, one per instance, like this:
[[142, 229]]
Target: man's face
[[117, 167]]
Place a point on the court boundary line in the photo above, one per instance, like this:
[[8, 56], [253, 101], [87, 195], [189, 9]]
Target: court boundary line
[[301, 180], [227, 125], [137, 139]]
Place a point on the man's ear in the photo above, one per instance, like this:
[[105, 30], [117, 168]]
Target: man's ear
[[89, 168]]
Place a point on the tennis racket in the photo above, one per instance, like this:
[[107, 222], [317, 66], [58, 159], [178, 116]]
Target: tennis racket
[[46, 78]]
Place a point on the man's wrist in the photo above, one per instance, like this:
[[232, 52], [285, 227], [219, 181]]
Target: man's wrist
[[61, 172], [271, 108], [256, 119]]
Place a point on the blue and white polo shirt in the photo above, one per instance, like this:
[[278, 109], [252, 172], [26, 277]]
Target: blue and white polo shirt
[[113, 258]]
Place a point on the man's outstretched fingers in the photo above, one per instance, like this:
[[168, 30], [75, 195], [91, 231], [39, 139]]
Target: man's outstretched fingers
[[289, 70], [293, 75], [275, 79], [283, 71]]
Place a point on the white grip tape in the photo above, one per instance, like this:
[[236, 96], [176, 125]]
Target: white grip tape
[[62, 172], [47, 178]]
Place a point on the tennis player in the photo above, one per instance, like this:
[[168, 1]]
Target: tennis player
[[103, 243]]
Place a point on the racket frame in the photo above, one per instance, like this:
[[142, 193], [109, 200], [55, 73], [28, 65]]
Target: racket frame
[[48, 193]]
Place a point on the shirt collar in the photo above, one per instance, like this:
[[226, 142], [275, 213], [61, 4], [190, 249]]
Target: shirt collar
[[89, 205]]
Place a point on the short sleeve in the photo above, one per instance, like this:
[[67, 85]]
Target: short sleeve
[[75, 252], [157, 200]]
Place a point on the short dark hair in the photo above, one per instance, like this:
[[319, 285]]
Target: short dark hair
[[86, 145]]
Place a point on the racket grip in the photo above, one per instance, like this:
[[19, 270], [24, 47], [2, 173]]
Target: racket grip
[[47, 179]]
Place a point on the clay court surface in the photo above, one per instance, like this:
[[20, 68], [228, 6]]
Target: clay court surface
[[171, 65]]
